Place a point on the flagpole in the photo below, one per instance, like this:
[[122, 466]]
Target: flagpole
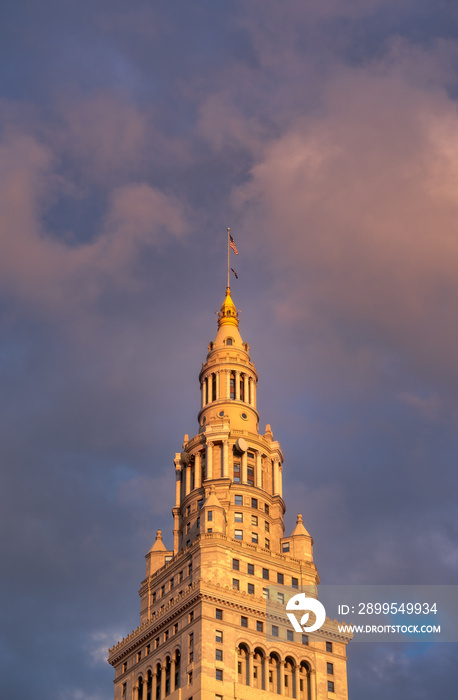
[[228, 253]]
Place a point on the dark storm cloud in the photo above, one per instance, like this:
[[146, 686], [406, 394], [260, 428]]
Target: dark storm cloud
[[131, 136]]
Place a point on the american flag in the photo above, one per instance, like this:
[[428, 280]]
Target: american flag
[[236, 275], [234, 247]]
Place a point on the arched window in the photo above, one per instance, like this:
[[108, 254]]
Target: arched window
[[259, 669], [232, 386], [213, 387], [177, 669], [228, 341], [242, 387], [290, 678], [274, 673], [243, 664]]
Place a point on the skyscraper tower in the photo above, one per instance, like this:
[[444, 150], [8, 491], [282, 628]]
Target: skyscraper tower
[[213, 624]]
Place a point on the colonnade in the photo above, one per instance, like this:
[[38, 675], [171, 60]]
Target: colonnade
[[228, 384], [214, 463], [159, 683], [286, 677]]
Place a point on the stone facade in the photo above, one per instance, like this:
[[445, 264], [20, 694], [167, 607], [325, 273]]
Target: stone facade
[[212, 616]]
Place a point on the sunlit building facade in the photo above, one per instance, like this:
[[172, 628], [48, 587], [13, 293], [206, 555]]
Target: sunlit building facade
[[212, 617]]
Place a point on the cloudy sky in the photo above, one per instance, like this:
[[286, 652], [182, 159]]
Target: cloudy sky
[[325, 134]]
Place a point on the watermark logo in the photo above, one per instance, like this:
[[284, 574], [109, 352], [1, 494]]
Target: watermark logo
[[300, 602]]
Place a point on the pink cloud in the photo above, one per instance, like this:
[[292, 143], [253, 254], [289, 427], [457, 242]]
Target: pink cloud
[[44, 271], [358, 207]]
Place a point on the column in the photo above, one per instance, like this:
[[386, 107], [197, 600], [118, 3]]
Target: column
[[258, 470], [245, 387], [312, 684], [225, 458], [210, 388], [172, 675], [280, 480], [154, 687], [209, 460], [177, 487], [244, 475], [281, 670], [237, 386], [251, 388], [198, 470], [188, 478], [276, 477], [296, 693], [163, 681], [217, 385], [249, 668], [135, 692]]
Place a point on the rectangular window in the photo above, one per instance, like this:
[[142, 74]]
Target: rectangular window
[[267, 543], [265, 574], [250, 477], [154, 597], [251, 569], [280, 578], [259, 626], [281, 598], [330, 669], [181, 576], [235, 584], [236, 564], [266, 526], [254, 537], [330, 686], [274, 631], [210, 515], [124, 667], [219, 674], [250, 455], [188, 510], [238, 517], [236, 472], [285, 547], [265, 593], [190, 568], [190, 678], [175, 628], [163, 590], [238, 534], [124, 689], [243, 621], [200, 503], [266, 509], [295, 582], [218, 654], [219, 614], [156, 642], [251, 588], [209, 529], [289, 635], [166, 635], [198, 522], [239, 500], [305, 639], [188, 528], [328, 646], [219, 636], [254, 503], [172, 583], [254, 520], [191, 616]]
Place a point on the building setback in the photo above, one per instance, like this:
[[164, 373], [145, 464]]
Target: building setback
[[213, 624]]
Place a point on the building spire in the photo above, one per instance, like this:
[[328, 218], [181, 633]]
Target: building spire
[[228, 314]]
